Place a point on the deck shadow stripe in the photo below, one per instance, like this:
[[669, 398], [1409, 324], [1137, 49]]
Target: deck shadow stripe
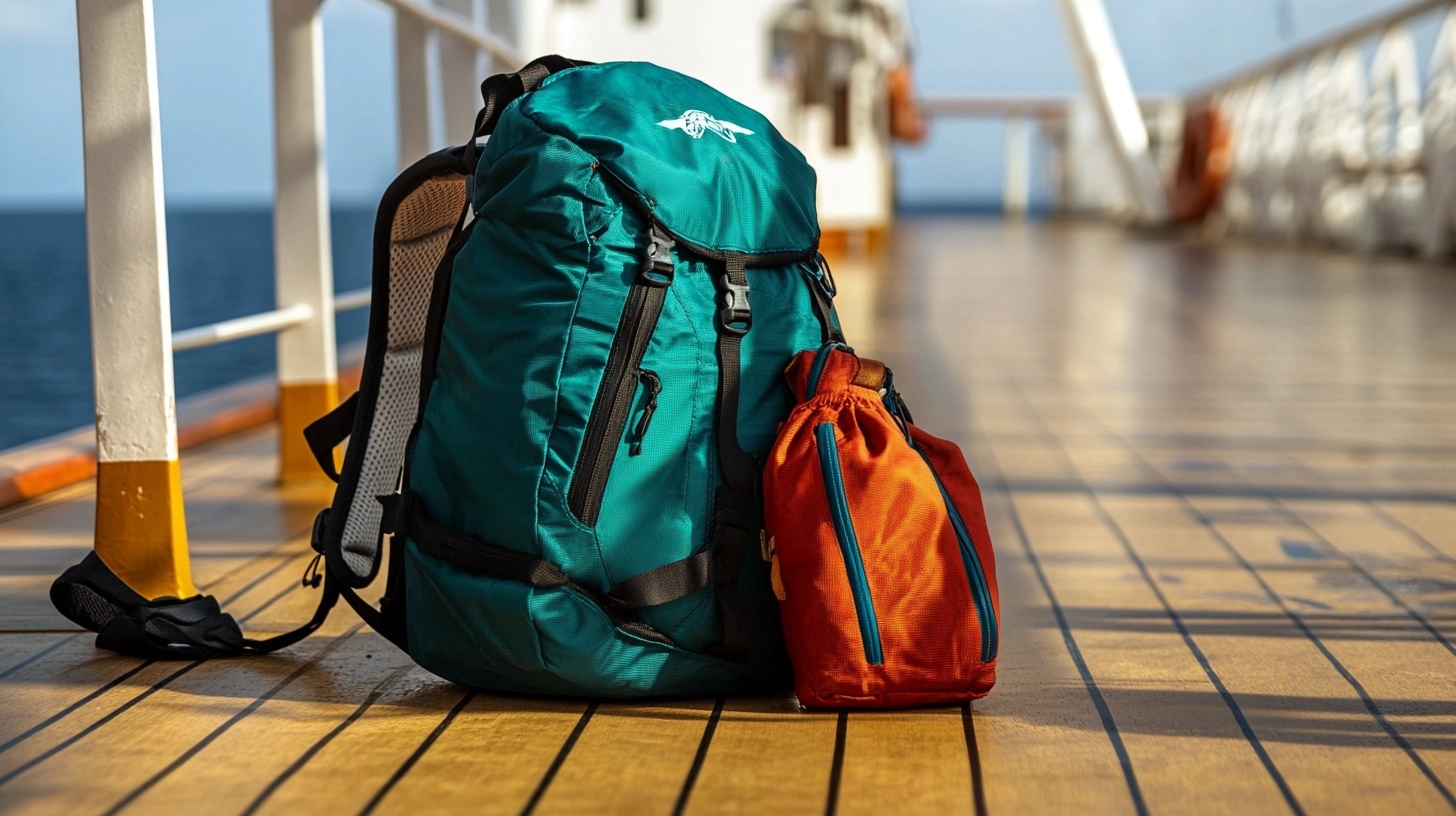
[[1177, 620], [1166, 488], [699, 758], [836, 769], [313, 750], [1369, 702], [212, 736], [973, 754], [1051, 438], [404, 768], [37, 656], [560, 760], [1410, 532], [1366, 700], [1375, 582], [88, 730]]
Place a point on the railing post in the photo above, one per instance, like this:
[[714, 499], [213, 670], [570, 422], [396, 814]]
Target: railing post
[[1103, 73], [307, 355], [460, 73], [414, 101], [1016, 195], [141, 530]]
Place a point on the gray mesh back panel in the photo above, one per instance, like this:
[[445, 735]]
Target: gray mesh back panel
[[419, 234]]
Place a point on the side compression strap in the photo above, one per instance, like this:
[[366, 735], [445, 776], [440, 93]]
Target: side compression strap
[[405, 518]]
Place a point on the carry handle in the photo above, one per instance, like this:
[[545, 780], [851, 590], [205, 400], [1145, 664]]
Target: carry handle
[[502, 89]]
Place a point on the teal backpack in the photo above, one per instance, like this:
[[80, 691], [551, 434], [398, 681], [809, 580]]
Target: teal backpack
[[574, 363]]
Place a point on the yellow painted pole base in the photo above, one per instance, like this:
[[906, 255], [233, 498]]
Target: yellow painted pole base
[[141, 529], [298, 405]]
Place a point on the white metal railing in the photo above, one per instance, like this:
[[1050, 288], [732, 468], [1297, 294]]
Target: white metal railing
[[427, 21], [1047, 116], [1336, 144], [133, 341]]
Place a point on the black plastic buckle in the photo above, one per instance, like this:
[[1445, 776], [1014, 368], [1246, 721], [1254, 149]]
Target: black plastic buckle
[[736, 316], [659, 267], [320, 523]]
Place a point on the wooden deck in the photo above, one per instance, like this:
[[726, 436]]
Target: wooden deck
[[1222, 483]]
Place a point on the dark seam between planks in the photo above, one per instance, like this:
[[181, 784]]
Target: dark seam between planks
[[1365, 698], [257, 703], [699, 758], [1174, 617], [313, 750], [1411, 532], [78, 736], [1378, 584], [1294, 617], [1228, 698], [37, 656], [560, 760], [108, 717], [1104, 712], [973, 755], [71, 709], [836, 768], [424, 746]]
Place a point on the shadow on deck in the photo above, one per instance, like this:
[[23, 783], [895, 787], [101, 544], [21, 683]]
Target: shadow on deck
[[1222, 483]]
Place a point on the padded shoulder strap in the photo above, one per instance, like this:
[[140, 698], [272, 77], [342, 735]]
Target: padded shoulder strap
[[421, 217]]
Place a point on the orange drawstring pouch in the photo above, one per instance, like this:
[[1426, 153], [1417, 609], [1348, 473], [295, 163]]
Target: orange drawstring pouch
[[882, 562]]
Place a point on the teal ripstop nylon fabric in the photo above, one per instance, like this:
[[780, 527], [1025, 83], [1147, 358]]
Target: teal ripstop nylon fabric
[[536, 296]]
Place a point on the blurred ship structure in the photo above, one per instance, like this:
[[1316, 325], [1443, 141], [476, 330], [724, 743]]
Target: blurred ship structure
[[832, 75]]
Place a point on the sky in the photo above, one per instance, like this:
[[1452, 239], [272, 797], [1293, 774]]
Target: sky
[[216, 111]]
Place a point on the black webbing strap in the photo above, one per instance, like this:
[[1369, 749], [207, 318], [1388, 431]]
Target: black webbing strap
[[329, 431], [405, 517], [500, 90], [735, 508]]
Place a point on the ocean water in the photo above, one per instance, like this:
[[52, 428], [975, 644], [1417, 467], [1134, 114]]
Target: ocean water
[[221, 266]]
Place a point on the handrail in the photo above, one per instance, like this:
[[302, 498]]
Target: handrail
[[275, 320], [240, 327], [458, 26], [1303, 53], [1037, 106]]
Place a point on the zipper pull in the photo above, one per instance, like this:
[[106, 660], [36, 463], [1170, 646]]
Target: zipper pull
[[654, 387]]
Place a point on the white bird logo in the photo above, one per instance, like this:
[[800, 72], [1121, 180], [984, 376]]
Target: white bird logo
[[695, 123]]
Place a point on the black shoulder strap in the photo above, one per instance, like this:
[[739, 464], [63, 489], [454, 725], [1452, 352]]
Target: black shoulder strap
[[502, 89]]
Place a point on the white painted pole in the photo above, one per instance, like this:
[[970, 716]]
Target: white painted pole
[[1016, 195], [307, 354], [140, 526], [1099, 60], [460, 74], [412, 89]]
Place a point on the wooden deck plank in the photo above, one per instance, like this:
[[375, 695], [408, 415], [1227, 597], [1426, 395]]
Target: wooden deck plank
[[905, 761], [1096, 581], [632, 758], [490, 760], [1041, 742], [1383, 677], [1433, 524], [766, 755]]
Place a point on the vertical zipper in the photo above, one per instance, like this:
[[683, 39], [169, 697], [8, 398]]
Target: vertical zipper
[[653, 384], [859, 585], [975, 571], [613, 403]]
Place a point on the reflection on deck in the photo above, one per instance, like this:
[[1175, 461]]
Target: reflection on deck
[[1222, 483]]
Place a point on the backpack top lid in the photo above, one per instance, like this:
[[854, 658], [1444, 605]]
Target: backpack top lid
[[715, 172]]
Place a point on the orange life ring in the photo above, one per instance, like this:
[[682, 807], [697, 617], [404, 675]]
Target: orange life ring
[[1203, 164], [907, 124]]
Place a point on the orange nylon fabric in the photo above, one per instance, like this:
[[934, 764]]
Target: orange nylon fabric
[[919, 586]]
